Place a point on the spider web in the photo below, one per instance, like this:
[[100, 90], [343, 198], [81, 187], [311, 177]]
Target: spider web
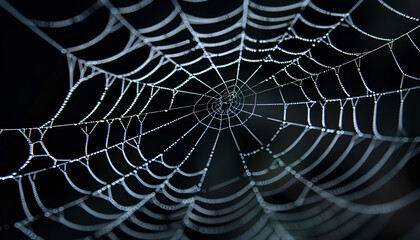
[[203, 119]]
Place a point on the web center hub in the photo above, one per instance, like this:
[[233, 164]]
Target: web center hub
[[225, 106]]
